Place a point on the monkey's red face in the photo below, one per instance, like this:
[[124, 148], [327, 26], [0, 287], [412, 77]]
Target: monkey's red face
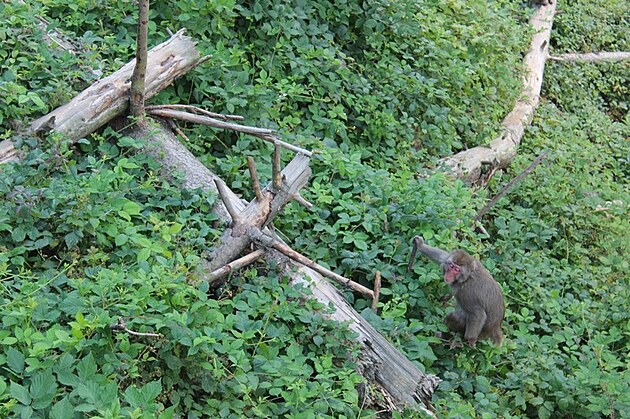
[[451, 272]]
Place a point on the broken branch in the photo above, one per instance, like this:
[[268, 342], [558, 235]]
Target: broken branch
[[377, 290], [262, 133], [122, 326], [509, 186], [196, 110], [590, 57], [136, 96], [300, 200], [232, 266], [269, 241], [234, 213], [275, 168], [254, 177]]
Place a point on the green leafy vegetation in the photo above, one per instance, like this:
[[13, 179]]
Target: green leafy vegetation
[[92, 233]]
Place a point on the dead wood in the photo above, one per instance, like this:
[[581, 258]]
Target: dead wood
[[393, 374], [109, 97], [507, 188], [262, 133], [591, 57], [383, 366], [478, 164], [258, 213], [136, 94], [197, 110], [377, 291], [278, 245], [234, 265], [397, 379]]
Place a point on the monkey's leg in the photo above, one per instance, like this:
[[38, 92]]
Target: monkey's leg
[[456, 321], [474, 325]]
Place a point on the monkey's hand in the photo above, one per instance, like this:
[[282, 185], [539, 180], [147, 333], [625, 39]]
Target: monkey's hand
[[472, 342], [418, 241]]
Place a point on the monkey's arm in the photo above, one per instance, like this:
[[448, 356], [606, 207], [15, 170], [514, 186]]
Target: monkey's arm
[[436, 255], [474, 324]]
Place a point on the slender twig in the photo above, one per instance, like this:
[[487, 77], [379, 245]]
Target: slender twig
[[175, 128], [276, 170], [232, 266], [509, 186], [121, 326], [377, 290], [197, 110], [224, 194], [254, 177], [262, 133]]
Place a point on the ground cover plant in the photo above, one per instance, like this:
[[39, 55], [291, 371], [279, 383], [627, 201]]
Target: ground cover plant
[[92, 232]]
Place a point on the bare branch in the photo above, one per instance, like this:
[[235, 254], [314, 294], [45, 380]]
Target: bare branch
[[262, 133], [590, 57], [173, 125], [232, 266], [509, 186], [121, 326], [303, 201], [136, 97], [223, 193], [377, 290], [275, 168], [197, 110], [265, 240], [254, 177]]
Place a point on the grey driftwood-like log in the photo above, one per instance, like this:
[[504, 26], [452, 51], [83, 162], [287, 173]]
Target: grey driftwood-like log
[[383, 366], [591, 57], [477, 164], [109, 97], [393, 373]]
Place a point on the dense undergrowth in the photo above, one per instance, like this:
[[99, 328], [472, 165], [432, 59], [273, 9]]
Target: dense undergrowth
[[91, 232]]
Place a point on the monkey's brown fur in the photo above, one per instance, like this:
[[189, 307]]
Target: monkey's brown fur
[[480, 307]]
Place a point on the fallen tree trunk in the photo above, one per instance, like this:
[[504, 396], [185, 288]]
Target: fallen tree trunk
[[398, 379], [109, 97], [400, 382], [478, 164]]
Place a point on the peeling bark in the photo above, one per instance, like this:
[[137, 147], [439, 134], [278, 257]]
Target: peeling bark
[[109, 97]]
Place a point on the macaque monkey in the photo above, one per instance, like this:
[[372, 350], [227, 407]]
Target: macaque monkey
[[480, 308]]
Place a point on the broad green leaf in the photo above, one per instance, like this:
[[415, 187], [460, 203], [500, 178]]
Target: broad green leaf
[[43, 389], [20, 393], [15, 360], [63, 409]]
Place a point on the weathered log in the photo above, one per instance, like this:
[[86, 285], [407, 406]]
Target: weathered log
[[592, 57], [109, 97], [7, 152], [398, 377], [477, 164], [383, 365]]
